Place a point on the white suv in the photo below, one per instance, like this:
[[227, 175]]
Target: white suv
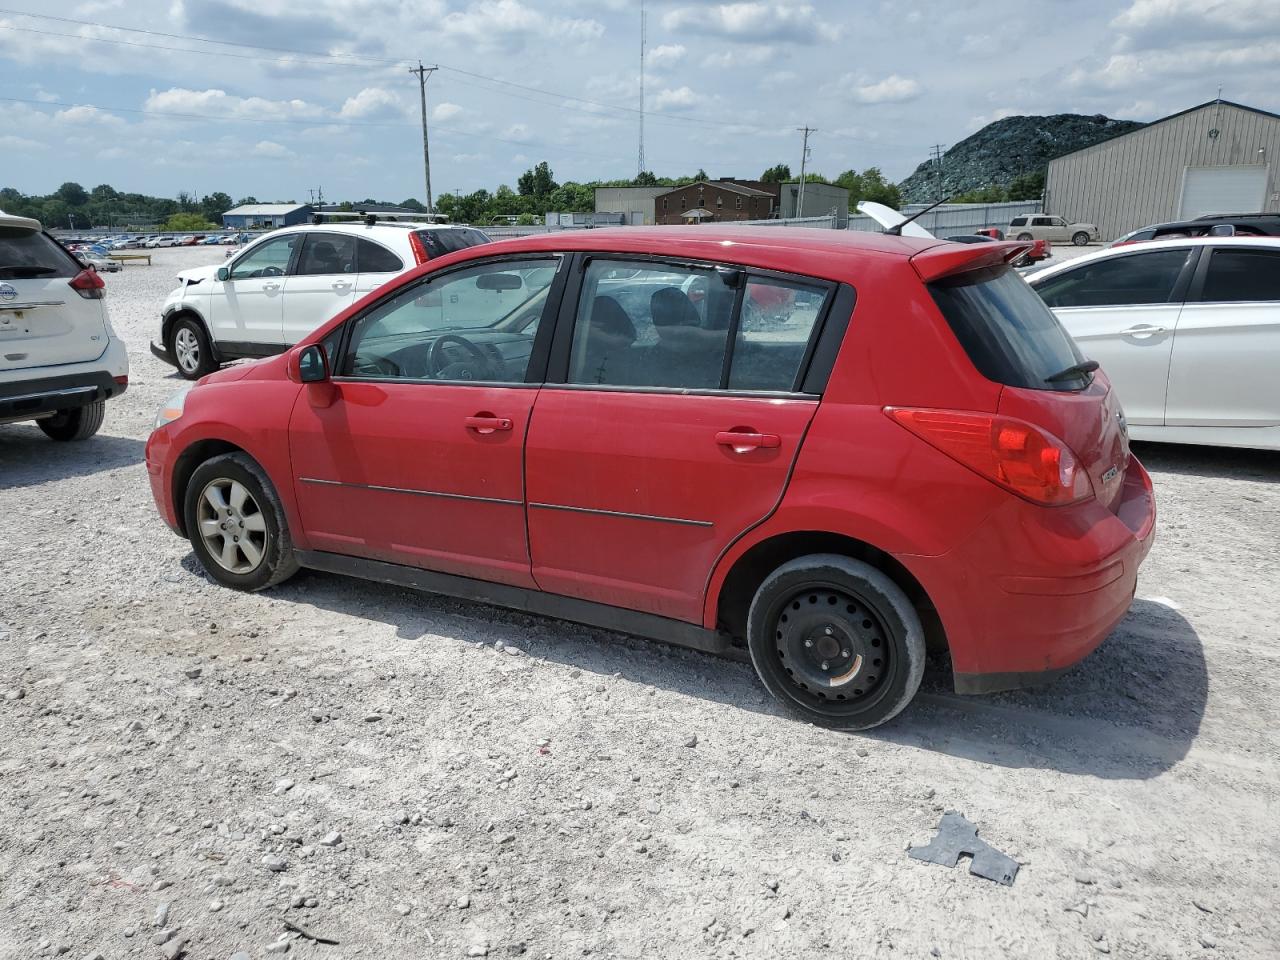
[[1055, 229], [278, 289], [60, 361]]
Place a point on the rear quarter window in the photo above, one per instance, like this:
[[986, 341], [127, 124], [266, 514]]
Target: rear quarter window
[[1242, 276], [1006, 329], [27, 255]]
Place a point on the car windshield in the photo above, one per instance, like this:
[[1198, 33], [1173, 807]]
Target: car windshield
[[1008, 332], [26, 254]]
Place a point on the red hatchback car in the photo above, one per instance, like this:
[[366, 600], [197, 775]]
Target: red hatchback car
[[901, 450]]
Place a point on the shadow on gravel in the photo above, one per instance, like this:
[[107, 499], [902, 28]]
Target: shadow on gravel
[[1197, 461], [28, 458], [1131, 710]]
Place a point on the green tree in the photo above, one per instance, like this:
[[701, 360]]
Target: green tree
[[72, 194], [537, 182], [414, 205], [214, 205], [644, 179], [777, 174], [870, 184], [1029, 186], [186, 222], [526, 220]]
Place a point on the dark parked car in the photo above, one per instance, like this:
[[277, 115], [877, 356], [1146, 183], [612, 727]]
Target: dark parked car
[[1210, 225]]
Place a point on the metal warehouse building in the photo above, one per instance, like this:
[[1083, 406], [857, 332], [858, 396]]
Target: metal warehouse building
[[266, 215], [1219, 157]]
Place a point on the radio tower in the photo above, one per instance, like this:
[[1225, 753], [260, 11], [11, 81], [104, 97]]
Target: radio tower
[[640, 161]]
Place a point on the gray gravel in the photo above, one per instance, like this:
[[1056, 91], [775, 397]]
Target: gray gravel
[[599, 796]]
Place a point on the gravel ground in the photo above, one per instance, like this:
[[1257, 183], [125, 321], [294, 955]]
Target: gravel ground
[[186, 767]]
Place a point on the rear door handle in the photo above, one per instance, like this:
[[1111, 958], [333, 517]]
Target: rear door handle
[[341, 285], [487, 424], [743, 441], [1142, 330]]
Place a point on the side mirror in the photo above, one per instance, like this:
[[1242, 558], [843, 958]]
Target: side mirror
[[223, 274], [313, 364]]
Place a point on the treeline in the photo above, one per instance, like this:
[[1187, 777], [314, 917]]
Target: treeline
[[1028, 186], [73, 207], [536, 193]]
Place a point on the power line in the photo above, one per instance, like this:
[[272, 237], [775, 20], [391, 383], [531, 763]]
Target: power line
[[640, 160]]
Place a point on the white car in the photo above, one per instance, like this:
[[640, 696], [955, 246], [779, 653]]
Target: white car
[[1188, 332], [282, 286], [1038, 226], [60, 361]]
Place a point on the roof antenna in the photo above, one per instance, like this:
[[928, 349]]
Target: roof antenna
[[896, 229]]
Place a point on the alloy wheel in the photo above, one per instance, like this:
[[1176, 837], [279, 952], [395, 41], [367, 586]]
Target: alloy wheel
[[232, 526], [186, 349]]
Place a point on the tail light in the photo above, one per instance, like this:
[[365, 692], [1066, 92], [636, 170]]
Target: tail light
[[420, 255], [88, 284], [1019, 456]]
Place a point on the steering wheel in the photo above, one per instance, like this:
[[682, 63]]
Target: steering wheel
[[460, 369], [272, 271], [375, 366]]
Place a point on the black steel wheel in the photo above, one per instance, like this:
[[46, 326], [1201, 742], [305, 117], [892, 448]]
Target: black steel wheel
[[836, 641]]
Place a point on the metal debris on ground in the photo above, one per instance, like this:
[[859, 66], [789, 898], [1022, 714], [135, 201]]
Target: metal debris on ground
[[957, 836], [303, 932]]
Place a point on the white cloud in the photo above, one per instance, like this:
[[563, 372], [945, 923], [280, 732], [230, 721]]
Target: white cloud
[[505, 25], [9, 142], [271, 149], [666, 55], [445, 111], [681, 98], [1133, 70], [517, 131], [220, 103], [1223, 16], [87, 114], [779, 21], [892, 89], [370, 102], [745, 56]]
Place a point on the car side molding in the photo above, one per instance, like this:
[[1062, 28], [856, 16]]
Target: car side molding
[[647, 625]]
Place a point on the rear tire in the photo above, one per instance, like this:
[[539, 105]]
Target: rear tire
[[237, 525], [1025, 236], [1080, 239], [836, 641], [79, 423], [190, 348]]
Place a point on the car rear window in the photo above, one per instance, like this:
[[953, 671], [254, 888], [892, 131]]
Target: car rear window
[[1006, 329], [26, 254], [440, 242]]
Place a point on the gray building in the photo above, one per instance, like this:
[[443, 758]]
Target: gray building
[[819, 200], [635, 203], [259, 215], [1219, 157]]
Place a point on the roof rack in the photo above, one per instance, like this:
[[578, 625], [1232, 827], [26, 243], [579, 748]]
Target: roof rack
[[371, 217]]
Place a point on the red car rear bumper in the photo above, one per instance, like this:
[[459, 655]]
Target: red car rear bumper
[[1035, 590]]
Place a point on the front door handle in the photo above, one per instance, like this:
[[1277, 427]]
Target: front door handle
[[1141, 331], [742, 440], [486, 423], [271, 287]]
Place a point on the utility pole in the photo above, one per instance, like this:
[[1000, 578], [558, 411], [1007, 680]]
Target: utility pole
[[804, 159], [937, 159], [640, 162], [317, 197], [423, 73]]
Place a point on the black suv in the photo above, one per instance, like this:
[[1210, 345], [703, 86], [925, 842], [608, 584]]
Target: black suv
[[1210, 225]]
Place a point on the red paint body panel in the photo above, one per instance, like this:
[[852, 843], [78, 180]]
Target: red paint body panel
[[654, 456], [414, 445], [1019, 587]]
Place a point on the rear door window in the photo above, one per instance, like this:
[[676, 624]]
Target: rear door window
[[327, 253], [1238, 276], [375, 258], [29, 255], [1139, 278], [1007, 331]]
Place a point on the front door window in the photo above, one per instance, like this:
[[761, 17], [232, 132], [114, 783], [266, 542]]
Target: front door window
[[268, 259]]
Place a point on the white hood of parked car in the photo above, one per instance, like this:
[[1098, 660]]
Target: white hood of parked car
[[196, 274]]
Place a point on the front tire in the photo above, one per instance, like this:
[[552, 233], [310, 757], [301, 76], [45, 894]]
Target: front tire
[[237, 525], [78, 423], [190, 348], [836, 641], [1080, 239]]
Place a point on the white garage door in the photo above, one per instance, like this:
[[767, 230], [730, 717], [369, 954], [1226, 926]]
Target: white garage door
[[1240, 189]]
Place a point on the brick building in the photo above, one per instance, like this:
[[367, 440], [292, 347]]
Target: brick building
[[720, 200]]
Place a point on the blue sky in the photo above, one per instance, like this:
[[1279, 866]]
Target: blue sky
[[331, 104]]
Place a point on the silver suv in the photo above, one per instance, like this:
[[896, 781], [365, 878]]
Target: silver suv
[[60, 361]]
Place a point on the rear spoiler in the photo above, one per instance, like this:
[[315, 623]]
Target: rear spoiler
[[949, 259]]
